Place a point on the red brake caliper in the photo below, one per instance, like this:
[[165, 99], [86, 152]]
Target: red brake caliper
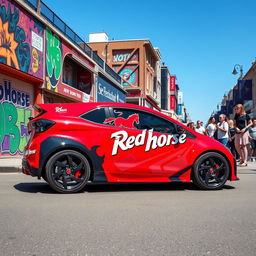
[[216, 166], [78, 174]]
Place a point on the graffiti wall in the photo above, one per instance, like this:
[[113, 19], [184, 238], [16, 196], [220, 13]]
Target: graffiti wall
[[67, 78], [129, 71], [21, 39], [16, 98]]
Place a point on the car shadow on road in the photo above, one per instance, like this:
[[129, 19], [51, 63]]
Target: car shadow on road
[[43, 187], [34, 187]]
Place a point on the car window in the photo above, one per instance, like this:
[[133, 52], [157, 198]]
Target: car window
[[96, 116], [140, 120], [181, 130]]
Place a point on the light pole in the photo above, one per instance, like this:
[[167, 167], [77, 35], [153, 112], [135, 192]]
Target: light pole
[[237, 68]]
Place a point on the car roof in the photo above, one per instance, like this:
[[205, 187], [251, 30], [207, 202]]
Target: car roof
[[77, 109]]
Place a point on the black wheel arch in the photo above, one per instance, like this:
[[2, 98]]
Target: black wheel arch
[[52, 145], [214, 151]]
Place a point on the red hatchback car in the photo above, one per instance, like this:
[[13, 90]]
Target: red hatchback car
[[76, 143]]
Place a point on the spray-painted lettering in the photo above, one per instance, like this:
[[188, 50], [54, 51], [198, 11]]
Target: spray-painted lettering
[[12, 95], [14, 117], [121, 57]]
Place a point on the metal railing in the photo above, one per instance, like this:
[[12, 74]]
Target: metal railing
[[59, 24], [98, 60], [111, 72]]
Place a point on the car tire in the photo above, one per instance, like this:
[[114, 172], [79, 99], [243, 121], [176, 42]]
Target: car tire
[[210, 171], [67, 171]]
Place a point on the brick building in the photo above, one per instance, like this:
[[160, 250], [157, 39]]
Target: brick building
[[139, 65]]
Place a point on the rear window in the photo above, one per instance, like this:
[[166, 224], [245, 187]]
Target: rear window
[[96, 116]]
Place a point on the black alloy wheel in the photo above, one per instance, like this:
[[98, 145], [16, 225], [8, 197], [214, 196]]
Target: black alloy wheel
[[211, 171], [67, 171]]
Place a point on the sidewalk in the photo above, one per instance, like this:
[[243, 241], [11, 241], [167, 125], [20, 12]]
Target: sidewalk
[[10, 164], [251, 166]]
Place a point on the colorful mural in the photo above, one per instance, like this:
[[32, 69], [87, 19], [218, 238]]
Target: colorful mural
[[123, 55], [130, 74], [53, 60], [63, 74], [21, 39], [126, 64], [15, 110]]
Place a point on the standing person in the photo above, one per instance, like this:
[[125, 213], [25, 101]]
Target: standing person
[[242, 124], [199, 128], [222, 132], [191, 125], [211, 127], [252, 133], [231, 140]]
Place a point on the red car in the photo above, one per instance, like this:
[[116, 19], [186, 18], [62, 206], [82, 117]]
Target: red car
[[76, 143]]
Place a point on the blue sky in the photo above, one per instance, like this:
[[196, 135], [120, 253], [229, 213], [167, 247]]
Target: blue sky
[[200, 41]]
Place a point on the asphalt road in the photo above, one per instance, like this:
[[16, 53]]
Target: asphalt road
[[151, 219]]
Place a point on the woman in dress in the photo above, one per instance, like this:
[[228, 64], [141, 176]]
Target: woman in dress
[[242, 123], [211, 127]]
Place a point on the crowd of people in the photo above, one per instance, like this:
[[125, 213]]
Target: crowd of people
[[239, 135]]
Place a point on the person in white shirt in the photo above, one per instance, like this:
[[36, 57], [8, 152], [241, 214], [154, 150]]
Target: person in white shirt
[[211, 127], [222, 127], [199, 128]]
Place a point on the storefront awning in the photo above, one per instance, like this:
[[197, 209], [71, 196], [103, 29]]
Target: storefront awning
[[19, 74]]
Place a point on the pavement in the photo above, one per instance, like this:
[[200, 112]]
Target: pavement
[[10, 164], [127, 219], [13, 164]]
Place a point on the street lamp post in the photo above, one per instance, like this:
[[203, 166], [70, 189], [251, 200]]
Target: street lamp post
[[237, 68]]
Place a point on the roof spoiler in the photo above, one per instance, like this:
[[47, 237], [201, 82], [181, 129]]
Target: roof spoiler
[[44, 107], [37, 107], [40, 109]]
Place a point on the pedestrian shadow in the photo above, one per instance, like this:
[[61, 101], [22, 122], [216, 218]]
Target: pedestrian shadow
[[44, 188]]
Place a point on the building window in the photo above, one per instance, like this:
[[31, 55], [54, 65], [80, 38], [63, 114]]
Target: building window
[[69, 72], [77, 76]]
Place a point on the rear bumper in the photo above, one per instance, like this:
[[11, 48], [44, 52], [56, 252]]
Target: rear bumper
[[28, 170]]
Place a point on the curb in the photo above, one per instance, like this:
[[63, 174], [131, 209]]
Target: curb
[[10, 169], [10, 164]]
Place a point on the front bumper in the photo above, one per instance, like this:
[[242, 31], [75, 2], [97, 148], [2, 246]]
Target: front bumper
[[235, 170]]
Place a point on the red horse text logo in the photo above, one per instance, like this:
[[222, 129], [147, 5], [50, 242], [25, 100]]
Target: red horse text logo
[[122, 122]]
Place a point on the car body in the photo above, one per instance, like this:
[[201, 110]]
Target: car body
[[72, 144]]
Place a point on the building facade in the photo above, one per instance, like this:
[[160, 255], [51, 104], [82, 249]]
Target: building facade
[[243, 92], [172, 102], [139, 65], [42, 60]]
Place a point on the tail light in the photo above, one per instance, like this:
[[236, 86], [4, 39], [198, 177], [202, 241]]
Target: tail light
[[42, 125]]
